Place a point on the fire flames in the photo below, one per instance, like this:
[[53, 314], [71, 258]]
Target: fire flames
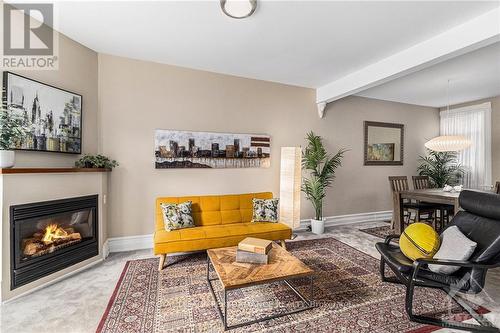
[[52, 238], [53, 232]]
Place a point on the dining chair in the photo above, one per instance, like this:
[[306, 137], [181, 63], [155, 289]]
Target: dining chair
[[422, 183], [399, 184]]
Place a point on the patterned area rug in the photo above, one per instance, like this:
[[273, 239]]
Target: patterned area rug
[[381, 232], [348, 292]]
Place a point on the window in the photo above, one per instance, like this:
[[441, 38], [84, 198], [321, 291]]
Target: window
[[473, 122]]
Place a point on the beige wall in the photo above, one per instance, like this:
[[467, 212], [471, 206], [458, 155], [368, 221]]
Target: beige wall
[[77, 73], [495, 133], [137, 97]]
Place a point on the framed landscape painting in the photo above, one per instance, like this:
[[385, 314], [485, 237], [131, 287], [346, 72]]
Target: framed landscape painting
[[381, 151], [384, 143], [51, 117], [186, 149]]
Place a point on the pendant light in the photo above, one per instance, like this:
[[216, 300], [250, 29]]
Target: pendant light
[[448, 142]]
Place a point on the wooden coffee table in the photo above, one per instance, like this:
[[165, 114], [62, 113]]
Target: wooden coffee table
[[282, 266]]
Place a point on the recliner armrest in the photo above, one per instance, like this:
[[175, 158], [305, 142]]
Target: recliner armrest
[[447, 262], [389, 238]]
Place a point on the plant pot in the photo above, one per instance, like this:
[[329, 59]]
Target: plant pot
[[7, 158], [317, 226]]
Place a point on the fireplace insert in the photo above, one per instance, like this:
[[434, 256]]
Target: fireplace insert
[[49, 236]]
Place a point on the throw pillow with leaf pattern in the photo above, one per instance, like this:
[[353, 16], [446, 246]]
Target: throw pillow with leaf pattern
[[177, 216], [265, 210]]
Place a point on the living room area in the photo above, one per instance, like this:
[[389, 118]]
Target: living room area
[[250, 166]]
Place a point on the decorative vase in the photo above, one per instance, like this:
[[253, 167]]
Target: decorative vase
[[7, 158], [318, 226]]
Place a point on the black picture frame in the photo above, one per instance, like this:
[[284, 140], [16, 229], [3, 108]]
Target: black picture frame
[[368, 124], [7, 90]]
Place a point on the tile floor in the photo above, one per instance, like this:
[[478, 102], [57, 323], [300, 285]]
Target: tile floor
[[77, 303]]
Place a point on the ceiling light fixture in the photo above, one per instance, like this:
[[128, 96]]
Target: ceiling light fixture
[[238, 9], [448, 142]]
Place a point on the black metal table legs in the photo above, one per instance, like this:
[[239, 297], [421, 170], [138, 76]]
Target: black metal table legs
[[309, 303]]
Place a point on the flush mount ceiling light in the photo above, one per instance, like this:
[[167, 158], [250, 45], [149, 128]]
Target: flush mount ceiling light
[[448, 143], [238, 9]]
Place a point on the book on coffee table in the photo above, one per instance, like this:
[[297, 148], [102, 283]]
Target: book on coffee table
[[251, 257], [255, 245]]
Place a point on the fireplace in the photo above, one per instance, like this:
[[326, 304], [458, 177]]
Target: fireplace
[[49, 236]]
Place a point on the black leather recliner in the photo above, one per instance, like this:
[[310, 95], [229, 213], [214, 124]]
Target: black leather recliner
[[480, 222]]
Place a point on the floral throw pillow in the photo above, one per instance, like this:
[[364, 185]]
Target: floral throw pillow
[[265, 210], [177, 216]]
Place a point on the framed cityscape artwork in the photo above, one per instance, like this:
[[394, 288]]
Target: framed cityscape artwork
[[51, 117], [186, 149]]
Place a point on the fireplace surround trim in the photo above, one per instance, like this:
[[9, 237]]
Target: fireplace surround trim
[[24, 273]]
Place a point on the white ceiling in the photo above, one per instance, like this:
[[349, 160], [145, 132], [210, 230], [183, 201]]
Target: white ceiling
[[473, 76], [304, 43]]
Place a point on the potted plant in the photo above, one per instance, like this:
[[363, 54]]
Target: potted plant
[[11, 130], [442, 168], [96, 161], [321, 167]]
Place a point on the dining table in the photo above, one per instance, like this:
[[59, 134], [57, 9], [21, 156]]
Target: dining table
[[434, 195]]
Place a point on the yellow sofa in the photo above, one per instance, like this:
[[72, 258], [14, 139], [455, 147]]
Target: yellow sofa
[[221, 220]]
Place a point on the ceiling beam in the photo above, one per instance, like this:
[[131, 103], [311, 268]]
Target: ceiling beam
[[471, 35]]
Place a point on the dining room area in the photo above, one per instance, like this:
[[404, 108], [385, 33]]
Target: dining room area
[[425, 203], [444, 230], [464, 156]]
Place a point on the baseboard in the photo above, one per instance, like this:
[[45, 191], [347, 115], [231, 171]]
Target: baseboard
[[142, 242], [129, 243], [105, 249], [350, 219]]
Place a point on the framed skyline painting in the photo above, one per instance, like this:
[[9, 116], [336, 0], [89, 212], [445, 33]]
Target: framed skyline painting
[[186, 149], [51, 117]]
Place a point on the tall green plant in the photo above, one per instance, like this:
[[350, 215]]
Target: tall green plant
[[321, 167], [441, 167], [11, 128]]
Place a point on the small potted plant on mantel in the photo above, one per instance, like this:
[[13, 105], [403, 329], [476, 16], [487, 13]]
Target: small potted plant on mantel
[[321, 167], [11, 130], [96, 161]]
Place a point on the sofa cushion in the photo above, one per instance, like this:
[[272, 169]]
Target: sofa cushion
[[210, 203], [230, 216], [238, 229], [214, 209], [218, 231], [177, 216], [229, 202], [454, 246], [265, 210], [207, 237]]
